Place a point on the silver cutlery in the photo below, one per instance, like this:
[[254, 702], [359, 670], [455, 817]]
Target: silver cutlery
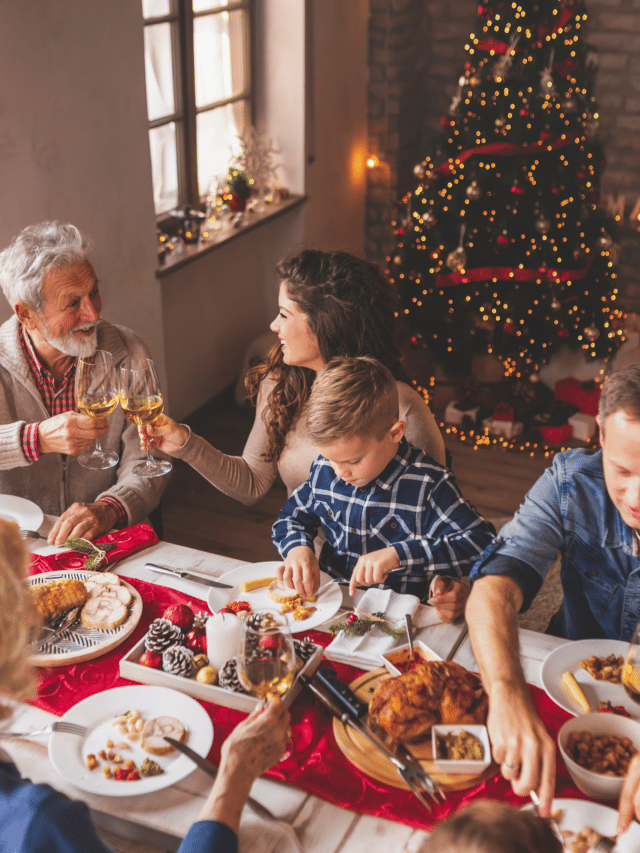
[[67, 621], [346, 706], [409, 624], [31, 534], [461, 638], [182, 573], [58, 726], [551, 821], [212, 770]]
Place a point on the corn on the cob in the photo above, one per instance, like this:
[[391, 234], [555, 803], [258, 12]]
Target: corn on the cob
[[574, 691], [258, 583], [55, 598]]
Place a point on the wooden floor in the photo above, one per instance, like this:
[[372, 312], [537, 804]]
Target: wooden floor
[[197, 515]]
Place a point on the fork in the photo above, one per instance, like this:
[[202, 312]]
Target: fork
[[31, 534], [57, 726]]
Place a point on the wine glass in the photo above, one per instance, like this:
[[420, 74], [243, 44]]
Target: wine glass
[[142, 403], [631, 668], [266, 658], [96, 396]]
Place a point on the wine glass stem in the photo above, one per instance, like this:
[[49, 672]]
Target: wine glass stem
[[97, 447], [149, 458]]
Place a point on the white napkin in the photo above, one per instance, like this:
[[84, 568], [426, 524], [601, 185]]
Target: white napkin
[[365, 651]]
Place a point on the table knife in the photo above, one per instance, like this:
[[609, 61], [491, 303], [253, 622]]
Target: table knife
[[212, 770], [188, 576]]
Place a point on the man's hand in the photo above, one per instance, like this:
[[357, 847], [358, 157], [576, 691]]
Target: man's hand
[[521, 745], [373, 568], [301, 570], [448, 596], [165, 434], [630, 797], [85, 521], [69, 433]]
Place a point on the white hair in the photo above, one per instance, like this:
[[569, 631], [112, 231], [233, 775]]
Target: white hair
[[35, 251]]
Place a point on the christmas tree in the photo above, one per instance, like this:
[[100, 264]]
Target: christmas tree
[[502, 247]]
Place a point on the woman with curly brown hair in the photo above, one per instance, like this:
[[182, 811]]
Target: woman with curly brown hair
[[331, 304]]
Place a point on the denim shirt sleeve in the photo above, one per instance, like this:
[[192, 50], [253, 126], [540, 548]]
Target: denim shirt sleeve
[[528, 545]]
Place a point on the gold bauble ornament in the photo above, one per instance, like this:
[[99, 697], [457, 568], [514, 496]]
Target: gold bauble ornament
[[457, 260], [474, 80], [542, 225], [473, 191], [591, 333], [207, 675], [605, 241]]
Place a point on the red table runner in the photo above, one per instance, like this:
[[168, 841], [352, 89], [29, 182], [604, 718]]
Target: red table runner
[[315, 764]]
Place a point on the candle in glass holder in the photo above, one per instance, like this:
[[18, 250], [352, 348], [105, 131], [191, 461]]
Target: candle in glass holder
[[223, 635]]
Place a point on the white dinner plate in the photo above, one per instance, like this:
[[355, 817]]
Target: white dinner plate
[[569, 656], [576, 814], [68, 752], [26, 514], [326, 606]]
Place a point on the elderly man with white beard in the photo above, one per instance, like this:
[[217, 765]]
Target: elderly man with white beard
[[53, 290]]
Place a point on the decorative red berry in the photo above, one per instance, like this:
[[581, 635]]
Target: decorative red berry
[[197, 640], [180, 615], [151, 659], [353, 618]]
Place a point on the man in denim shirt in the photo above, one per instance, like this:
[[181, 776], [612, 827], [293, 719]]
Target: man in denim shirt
[[587, 508]]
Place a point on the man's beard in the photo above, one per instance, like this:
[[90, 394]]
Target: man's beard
[[70, 344]]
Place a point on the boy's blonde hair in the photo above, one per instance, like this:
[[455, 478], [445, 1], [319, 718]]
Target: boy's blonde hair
[[18, 618], [352, 397], [487, 826]]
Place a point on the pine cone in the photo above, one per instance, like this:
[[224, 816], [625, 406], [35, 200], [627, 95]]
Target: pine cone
[[304, 648], [228, 677], [200, 619], [161, 635], [177, 660], [259, 620]]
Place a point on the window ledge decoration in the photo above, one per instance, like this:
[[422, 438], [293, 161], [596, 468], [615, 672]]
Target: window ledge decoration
[[174, 253]]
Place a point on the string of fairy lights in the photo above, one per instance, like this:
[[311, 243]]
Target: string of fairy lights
[[502, 247]]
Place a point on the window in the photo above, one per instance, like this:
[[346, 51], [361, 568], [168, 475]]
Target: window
[[199, 92]]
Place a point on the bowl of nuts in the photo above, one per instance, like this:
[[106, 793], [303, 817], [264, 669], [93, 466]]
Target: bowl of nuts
[[597, 749]]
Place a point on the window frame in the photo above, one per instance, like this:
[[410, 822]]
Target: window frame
[[181, 18]]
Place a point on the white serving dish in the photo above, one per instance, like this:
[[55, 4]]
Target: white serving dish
[[448, 765], [400, 655], [596, 784], [130, 668]]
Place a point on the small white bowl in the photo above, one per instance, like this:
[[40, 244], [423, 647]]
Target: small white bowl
[[593, 784], [400, 655], [449, 765]]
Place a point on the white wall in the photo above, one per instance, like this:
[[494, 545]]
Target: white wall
[[74, 147]]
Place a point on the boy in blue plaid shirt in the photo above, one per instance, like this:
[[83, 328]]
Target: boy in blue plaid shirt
[[390, 514]]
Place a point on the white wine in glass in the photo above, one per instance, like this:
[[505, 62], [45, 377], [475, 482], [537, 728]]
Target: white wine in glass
[[631, 668], [142, 404], [266, 658], [96, 396]]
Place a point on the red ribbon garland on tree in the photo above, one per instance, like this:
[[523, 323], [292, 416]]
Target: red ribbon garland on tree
[[516, 274]]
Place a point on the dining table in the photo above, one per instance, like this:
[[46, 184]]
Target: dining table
[[304, 821]]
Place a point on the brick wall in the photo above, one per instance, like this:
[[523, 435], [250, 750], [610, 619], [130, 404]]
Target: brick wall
[[416, 56]]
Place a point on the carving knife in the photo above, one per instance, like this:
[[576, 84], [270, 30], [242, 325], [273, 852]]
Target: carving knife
[[187, 576], [212, 770]]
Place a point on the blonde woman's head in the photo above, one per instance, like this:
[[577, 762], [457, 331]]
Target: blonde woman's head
[[18, 617]]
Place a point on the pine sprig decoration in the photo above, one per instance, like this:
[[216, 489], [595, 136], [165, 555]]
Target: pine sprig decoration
[[95, 553], [364, 624]]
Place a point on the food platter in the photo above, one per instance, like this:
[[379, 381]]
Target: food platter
[[568, 657], [78, 643], [575, 814], [326, 606], [367, 758], [68, 752], [24, 513]]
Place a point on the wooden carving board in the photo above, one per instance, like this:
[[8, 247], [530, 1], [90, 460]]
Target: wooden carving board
[[367, 758], [85, 643]]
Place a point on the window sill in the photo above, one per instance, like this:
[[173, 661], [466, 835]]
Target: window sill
[[227, 233]]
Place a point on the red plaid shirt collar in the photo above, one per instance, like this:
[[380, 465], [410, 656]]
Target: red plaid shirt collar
[[56, 400]]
